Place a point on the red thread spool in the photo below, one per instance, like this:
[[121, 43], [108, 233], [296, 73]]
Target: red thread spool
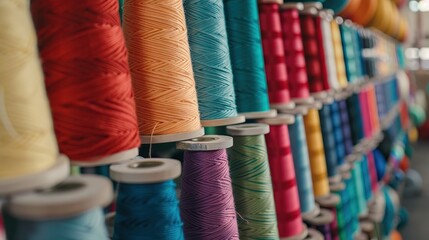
[[274, 55], [286, 197], [294, 51], [87, 79], [314, 52], [372, 171]]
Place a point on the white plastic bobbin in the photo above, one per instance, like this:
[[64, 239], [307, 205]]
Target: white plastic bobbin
[[223, 121], [41, 180], [313, 234], [327, 100], [312, 214], [175, 137], [328, 201], [109, 220], [316, 105], [337, 186], [111, 159], [206, 143], [316, 5], [320, 95], [300, 236], [298, 110], [281, 106], [74, 196], [259, 115], [251, 129], [303, 101], [367, 226], [334, 179], [299, 6], [271, 1], [148, 170], [281, 119], [361, 236], [323, 218]]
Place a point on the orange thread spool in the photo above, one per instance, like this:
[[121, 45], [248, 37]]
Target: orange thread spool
[[365, 12], [350, 9]]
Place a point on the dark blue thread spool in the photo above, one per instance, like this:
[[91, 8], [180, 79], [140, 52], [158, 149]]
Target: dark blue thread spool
[[329, 142]]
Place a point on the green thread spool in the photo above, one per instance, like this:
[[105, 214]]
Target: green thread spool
[[359, 188], [251, 182]]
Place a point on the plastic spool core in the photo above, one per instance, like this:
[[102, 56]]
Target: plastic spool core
[[223, 121], [271, 1], [151, 170], [41, 180], [248, 129], [280, 106], [299, 6], [206, 143], [323, 218], [165, 138], [331, 200], [281, 119], [259, 115], [114, 158], [298, 110], [77, 194], [303, 101]]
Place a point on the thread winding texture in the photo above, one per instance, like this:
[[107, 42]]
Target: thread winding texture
[[244, 38], [298, 142], [211, 62], [284, 181], [338, 134], [27, 140], [87, 77], [294, 51], [207, 202], [312, 53], [274, 53], [329, 143], [161, 68], [88, 225], [316, 153], [360, 190], [147, 211], [253, 193], [328, 46], [339, 54], [345, 123]]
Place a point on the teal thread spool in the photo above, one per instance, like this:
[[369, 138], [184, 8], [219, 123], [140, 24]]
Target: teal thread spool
[[359, 188], [251, 182], [211, 62], [244, 38], [329, 144], [121, 8], [351, 56], [336, 5], [71, 210]]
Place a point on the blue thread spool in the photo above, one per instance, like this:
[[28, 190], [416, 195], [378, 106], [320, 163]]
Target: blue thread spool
[[353, 105], [338, 134], [298, 142], [244, 38], [328, 140], [147, 205], [366, 177], [70, 210], [345, 123], [211, 62]]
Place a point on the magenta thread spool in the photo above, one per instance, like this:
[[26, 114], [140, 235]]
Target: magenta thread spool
[[207, 202]]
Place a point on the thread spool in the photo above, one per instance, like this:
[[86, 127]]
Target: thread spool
[[357, 177], [364, 12], [336, 188], [345, 123], [28, 148], [350, 8], [251, 182], [283, 177], [313, 234], [328, 141], [298, 142], [70, 210], [338, 135], [322, 223], [104, 131], [244, 38], [211, 62], [351, 55], [295, 57], [314, 51], [200, 187], [316, 154], [274, 55], [339, 55], [328, 45], [381, 18], [147, 197], [2, 232], [353, 105], [161, 70]]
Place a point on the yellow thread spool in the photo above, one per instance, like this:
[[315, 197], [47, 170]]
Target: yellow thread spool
[[316, 154], [27, 141], [382, 15], [339, 55]]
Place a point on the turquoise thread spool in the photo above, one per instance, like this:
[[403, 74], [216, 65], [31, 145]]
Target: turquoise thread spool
[[211, 62], [244, 38], [336, 5], [71, 210]]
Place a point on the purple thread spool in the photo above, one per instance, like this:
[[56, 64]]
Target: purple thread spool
[[207, 202], [322, 223]]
